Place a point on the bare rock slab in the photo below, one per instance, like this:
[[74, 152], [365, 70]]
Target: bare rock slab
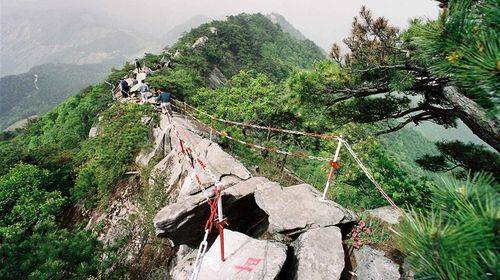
[[371, 264], [246, 258], [386, 214], [319, 254], [298, 208]]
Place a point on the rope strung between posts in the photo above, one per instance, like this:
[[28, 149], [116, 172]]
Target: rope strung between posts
[[370, 177], [333, 162], [215, 204], [267, 128], [224, 134]]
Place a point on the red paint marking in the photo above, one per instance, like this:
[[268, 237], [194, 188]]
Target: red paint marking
[[249, 265]]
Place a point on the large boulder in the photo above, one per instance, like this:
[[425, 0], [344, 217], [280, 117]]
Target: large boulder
[[216, 78], [183, 222], [386, 214], [245, 258], [319, 254], [371, 264], [298, 208]]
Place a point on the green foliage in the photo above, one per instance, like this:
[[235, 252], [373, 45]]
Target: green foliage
[[68, 124], [180, 82], [247, 97], [368, 231], [23, 201], [105, 158], [456, 239], [248, 42], [468, 157], [31, 245], [462, 44], [51, 253], [253, 98]]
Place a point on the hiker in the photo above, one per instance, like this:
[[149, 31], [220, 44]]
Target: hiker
[[138, 67], [164, 97], [143, 90], [124, 88]]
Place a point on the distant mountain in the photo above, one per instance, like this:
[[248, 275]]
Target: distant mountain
[[43, 88], [286, 26], [66, 36], [177, 31]]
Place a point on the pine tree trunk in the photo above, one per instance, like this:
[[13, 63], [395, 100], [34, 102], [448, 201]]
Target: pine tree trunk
[[474, 117]]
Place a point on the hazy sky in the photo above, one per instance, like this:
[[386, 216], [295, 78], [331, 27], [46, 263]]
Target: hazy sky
[[323, 21]]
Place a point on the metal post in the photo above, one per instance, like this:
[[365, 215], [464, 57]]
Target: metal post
[[211, 129], [220, 219], [332, 169]]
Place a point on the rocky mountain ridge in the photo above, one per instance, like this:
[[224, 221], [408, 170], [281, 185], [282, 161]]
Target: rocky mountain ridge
[[272, 232]]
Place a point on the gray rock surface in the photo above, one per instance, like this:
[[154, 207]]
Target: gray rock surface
[[297, 208], [319, 254], [144, 157], [200, 42], [216, 78], [371, 264], [386, 214], [93, 131], [183, 222], [246, 258], [184, 267], [167, 172]]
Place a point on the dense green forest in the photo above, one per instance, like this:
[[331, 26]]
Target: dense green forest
[[277, 80]]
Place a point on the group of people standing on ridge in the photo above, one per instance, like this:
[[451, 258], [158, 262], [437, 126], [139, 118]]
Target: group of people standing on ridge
[[163, 97]]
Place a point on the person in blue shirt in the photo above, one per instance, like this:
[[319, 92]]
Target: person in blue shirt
[[164, 98]]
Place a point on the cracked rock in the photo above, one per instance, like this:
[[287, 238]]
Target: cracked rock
[[297, 208], [319, 254], [373, 265], [183, 222]]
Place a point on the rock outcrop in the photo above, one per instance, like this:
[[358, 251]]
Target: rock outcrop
[[200, 42], [272, 231], [371, 264], [183, 222], [245, 258], [319, 254], [386, 214], [216, 78], [297, 208]]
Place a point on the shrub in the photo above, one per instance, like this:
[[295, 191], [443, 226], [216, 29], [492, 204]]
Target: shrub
[[456, 239], [104, 159]]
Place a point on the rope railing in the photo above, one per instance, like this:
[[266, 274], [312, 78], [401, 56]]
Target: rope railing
[[333, 162], [224, 134], [193, 159], [215, 218], [112, 89], [267, 128]]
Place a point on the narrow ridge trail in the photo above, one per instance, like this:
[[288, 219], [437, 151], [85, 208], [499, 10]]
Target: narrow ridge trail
[[227, 224]]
